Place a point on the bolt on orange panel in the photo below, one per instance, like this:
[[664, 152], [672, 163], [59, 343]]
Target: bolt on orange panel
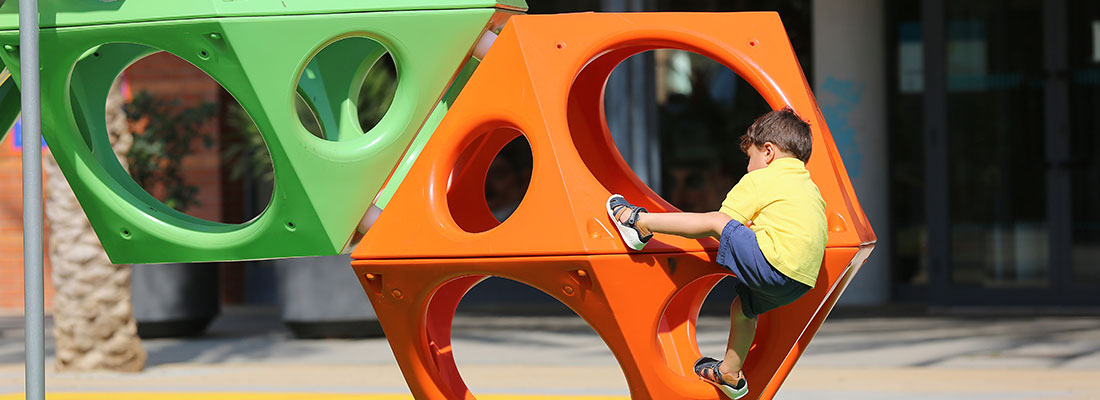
[[544, 79]]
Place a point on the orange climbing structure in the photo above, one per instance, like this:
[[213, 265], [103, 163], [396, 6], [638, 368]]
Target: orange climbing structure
[[544, 79]]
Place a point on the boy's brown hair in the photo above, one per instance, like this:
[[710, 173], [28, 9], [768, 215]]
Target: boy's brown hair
[[785, 129]]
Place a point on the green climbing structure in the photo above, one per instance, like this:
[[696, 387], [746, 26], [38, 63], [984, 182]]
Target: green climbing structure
[[264, 53]]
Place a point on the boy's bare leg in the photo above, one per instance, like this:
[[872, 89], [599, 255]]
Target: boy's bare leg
[[699, 225], [689, 225], [742, 331]]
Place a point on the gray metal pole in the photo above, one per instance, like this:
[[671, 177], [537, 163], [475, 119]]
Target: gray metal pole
[[33, 282]]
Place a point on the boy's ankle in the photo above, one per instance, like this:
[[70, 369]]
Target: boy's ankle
[[624, 215], [642, 228], [730, 377]]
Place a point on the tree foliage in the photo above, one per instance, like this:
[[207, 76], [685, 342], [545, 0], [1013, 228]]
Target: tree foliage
[[164, 133]]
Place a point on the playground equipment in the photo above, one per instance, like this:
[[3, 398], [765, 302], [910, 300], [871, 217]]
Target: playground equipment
[[543, 78], [437, 239], [322, 187]]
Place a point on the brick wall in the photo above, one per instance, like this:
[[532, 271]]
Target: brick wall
[[11, 231], [160, 74], [166, 75]]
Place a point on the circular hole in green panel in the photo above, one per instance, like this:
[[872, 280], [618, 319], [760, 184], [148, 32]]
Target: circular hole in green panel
[[307, 116], [346, 89], [376, 92], [185, 142]]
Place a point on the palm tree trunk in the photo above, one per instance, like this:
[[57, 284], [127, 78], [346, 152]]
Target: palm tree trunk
[[93, 318]]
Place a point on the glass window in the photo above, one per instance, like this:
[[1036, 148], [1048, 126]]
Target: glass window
[[906, 142], [1084, 164], [995, 143]]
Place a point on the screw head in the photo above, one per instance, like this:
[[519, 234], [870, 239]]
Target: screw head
[[215, 36], [397, 293], [567, 289]]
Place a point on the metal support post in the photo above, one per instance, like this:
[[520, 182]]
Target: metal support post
[[33, 281]]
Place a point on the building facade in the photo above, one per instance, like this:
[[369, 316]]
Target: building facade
[[968, 128]]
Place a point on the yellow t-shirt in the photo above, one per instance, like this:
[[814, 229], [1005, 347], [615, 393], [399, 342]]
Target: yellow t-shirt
[[787, 214]]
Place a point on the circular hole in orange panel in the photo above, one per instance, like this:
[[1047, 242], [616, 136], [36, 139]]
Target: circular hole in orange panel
[[540, 343], [685, 145], [713, 325], [489, 180], [176, 131], [713, 328], [678, 331], [696, 322]]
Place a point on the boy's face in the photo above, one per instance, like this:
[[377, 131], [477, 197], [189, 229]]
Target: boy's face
[[759, 156]]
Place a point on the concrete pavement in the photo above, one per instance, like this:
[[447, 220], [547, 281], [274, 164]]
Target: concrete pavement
[[248, 351]]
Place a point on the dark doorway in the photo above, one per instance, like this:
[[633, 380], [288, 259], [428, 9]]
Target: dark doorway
[[993, 127]]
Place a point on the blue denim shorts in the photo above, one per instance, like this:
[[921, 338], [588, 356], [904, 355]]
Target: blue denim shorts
[[759, 285]]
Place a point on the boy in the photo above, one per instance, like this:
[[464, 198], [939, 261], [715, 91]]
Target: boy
[[771, 231]]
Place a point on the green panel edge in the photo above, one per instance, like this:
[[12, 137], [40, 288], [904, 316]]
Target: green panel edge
[[10, 102], [68, 13]]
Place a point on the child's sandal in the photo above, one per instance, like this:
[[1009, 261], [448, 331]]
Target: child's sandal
[[632, 236], [708, 370]]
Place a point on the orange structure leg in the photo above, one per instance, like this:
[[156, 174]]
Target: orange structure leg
[[544, 79]]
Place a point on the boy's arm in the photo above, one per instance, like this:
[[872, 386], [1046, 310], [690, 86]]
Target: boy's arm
[[740, 204]]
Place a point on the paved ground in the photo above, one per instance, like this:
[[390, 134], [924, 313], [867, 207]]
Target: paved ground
[[249, 352]]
